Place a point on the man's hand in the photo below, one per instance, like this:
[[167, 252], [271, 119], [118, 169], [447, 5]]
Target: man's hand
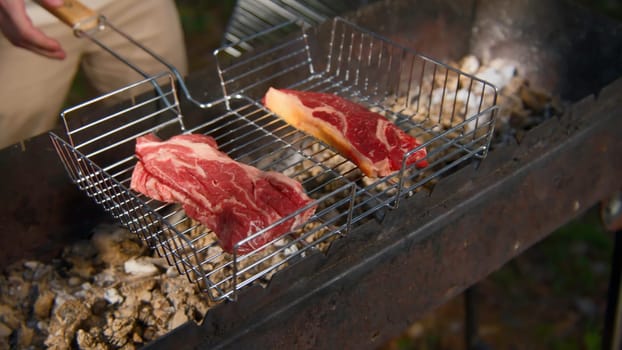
[[18, 28]]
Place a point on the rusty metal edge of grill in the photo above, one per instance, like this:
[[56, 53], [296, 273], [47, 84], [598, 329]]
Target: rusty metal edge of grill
[[154, 222]]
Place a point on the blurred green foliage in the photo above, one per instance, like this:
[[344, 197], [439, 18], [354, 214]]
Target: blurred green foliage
[[611, 8], [197, 16]]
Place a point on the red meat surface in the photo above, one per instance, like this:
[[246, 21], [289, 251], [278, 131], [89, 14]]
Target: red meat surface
[[372, 142], [232, 199]]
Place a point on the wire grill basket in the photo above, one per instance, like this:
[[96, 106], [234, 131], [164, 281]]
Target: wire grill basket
[[452, 113]]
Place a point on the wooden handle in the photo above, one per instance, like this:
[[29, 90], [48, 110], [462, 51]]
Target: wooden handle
[[74, 13]]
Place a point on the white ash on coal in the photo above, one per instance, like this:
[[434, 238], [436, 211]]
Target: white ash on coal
[[104, 293]]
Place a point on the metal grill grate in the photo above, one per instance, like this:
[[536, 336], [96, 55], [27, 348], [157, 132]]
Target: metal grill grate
[[417, 93], [451, 111], [254, 16]]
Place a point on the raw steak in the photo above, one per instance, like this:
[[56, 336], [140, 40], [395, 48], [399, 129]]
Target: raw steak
[[368, 139], [232, 199]]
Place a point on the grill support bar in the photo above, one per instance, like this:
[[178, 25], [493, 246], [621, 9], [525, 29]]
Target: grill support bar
[[431, 248], [612, 335], [611, 214], [472, 340]]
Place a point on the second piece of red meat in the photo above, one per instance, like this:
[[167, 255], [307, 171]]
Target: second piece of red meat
[[367, 138]]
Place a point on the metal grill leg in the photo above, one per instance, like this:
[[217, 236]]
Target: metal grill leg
[[612, 337], [471, 332], [611, 215]]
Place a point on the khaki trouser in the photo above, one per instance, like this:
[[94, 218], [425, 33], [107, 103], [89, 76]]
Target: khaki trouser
[[34, 88]]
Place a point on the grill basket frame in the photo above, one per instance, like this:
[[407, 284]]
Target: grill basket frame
[[413, 90]]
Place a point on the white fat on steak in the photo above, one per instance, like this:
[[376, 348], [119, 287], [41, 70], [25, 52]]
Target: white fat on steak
[[367, 138]]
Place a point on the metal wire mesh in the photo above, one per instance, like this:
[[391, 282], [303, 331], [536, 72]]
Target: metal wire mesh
[[450, 111], [419, 94], [255, 16]]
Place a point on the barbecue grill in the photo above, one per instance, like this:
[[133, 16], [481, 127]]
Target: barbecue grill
[[354, 63], [461, 232]]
